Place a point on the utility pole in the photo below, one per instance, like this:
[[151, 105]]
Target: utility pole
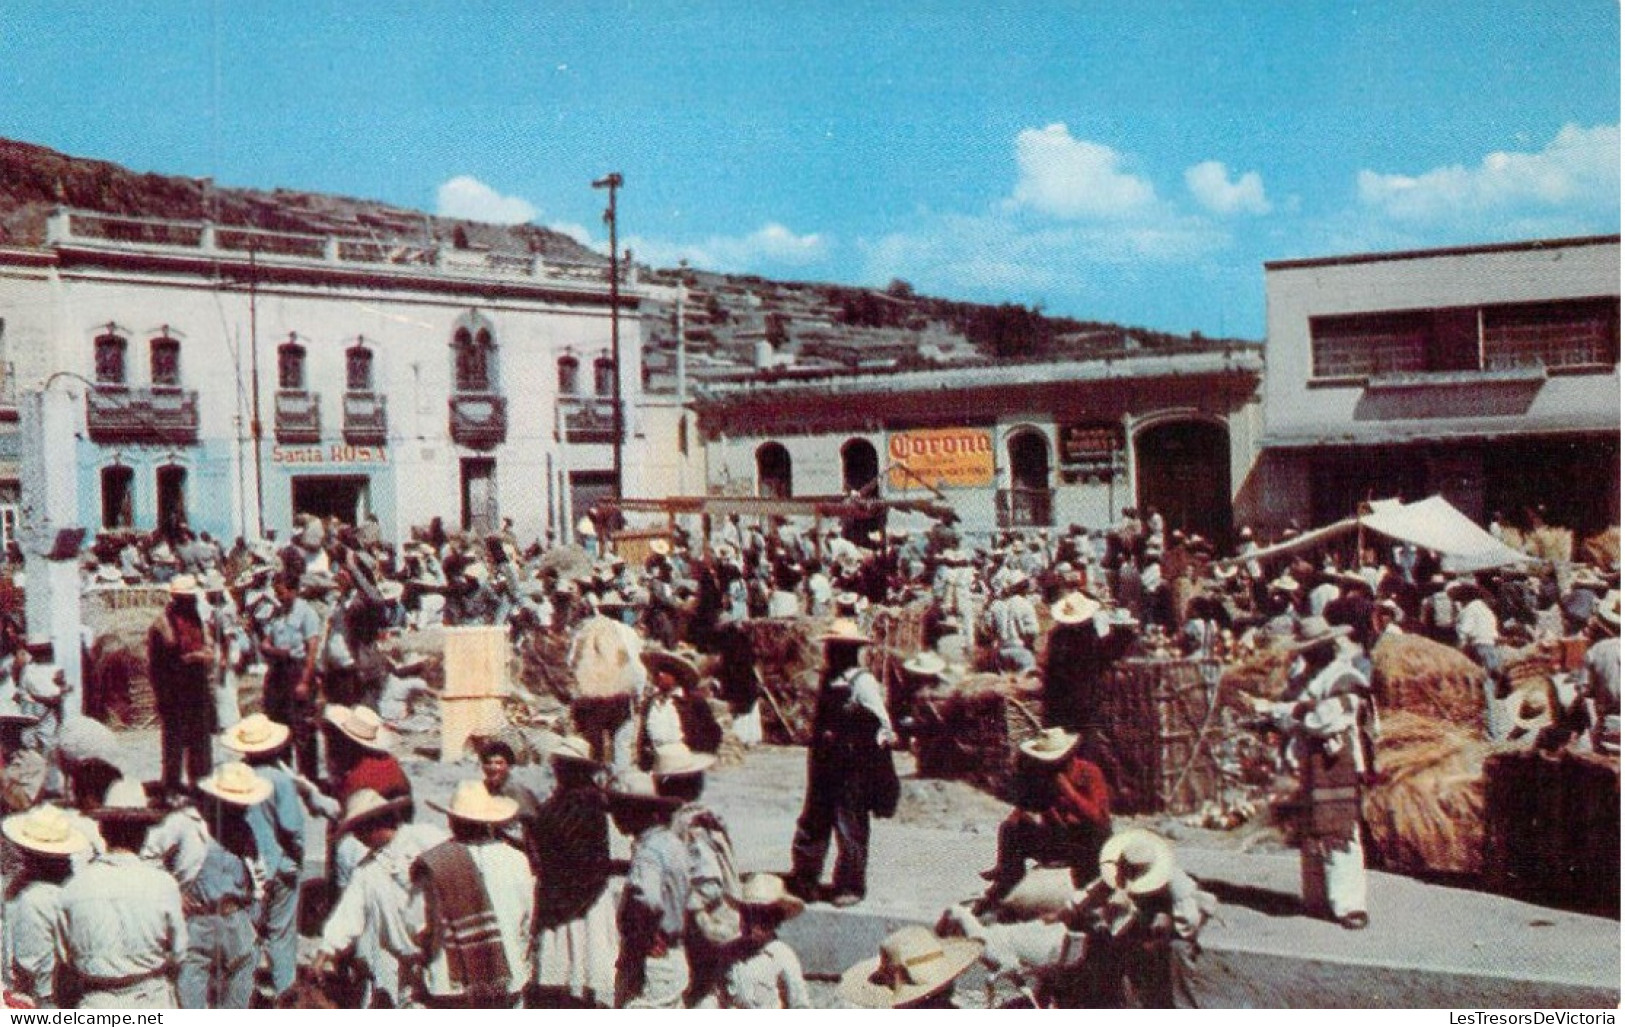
[[256, 426], [612, 182]]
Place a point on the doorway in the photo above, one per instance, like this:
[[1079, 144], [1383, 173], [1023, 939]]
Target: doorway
[[479, 494], [171, 499], [346, 497], [1183, 468]]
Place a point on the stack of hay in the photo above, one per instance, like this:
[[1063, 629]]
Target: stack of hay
[[117, 671], [1421, 676], [1426, 815], [971, 729]]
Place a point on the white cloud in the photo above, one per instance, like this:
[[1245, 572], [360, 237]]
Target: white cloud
[[1210, 184], [1577, 172], [1075, 178], [772, 244], [579, 233], [469, 198]]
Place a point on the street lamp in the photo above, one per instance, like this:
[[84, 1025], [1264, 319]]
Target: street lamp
[[612, 182]]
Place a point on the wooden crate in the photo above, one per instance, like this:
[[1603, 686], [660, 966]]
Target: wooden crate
[[476, 684], [1164, 724]]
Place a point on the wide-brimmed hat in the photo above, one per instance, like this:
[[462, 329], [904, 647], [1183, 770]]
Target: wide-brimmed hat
[[1073, 608], [675, 759], [45, 830], [254, 734], [184, 585], [127, 801], [635, 790], [913, 964], [237, 784], [1050, 745], [926, 665], [660, 546], [1137, 861], [678, 666], [574, 749], [584, 526], [360, 725], [1284, 583], [767, 893], [1314, 631], [844, 631], [472, 803], [366, 805], [40, 682]]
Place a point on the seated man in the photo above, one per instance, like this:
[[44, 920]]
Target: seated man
[[1064, 817]]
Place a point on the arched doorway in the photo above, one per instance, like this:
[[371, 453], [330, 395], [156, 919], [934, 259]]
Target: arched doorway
[[860, 467], [773, 471], [1027, 503], [1183, 471], [171, 499]]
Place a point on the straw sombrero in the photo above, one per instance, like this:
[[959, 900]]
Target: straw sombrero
[[365, 805], [913, 964], [766, 892], [1050, 745], [677, 665], [676, 759], [1285, 583], [237, 784], [45, 830], [1608, 609], [1073, 608], [359, 724], [660, 547], [40, 682], [844, 631], [473, 804], [636, 790], [1136, 861], [926, 665], [573, 748], [1313, 631], [255, 734]]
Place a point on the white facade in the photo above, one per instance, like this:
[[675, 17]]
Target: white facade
[[470, 447]]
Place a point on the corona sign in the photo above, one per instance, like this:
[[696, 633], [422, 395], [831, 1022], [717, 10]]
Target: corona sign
[[941, 457]]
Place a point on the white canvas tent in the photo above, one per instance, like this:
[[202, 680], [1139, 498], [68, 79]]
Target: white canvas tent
[[1431, 523]]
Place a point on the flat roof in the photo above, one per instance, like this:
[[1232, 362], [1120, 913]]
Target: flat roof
[[1531, 245]]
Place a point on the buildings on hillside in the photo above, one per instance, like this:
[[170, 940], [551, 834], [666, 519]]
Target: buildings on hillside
[[234, 377], [1489, 374]]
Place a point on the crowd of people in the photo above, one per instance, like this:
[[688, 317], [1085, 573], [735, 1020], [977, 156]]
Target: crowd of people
[[187, 890]]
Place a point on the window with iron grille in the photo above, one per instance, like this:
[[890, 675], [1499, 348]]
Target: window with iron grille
[[110, 360], [569, 375], [166, 362], [290, 367], [1560, 333], [603, 376], [358, 369], [1360, 345], [473, 360]]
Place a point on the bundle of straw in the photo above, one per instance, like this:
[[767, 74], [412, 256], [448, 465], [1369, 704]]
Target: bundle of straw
[[1602, 549], [1419, 675], [1427, 815]]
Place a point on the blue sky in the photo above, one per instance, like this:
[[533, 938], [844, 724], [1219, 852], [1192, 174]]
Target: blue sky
[[1127, 161]]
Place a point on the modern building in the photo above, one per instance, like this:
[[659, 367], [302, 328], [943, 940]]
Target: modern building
[[1020, 445], [1489, 374], [233, 377]]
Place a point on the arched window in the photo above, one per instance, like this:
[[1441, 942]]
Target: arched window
[[473, 350], [860, 465], [110, 348], [569, 375], [773, 478], [166, 361], [1029, 460], [603, 376], [290, 366], [358, 368]]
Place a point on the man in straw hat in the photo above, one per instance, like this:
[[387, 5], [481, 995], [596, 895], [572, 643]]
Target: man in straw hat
[[479, 900], [652, 969], [916, 969], [1325, 714], [279, 833], [289, 643], [1064, 815], [763, 972], [181, 661], [848, 763], [120, 929], [376, 920], [46, 838]]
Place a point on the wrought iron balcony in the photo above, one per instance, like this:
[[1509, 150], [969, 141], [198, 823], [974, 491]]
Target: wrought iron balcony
[[479, 420], [120, 414], [588, 420], [366, 419], [1026, 508], [298, 416]]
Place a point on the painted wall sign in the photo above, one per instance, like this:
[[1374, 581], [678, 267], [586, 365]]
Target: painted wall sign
[[945, 457], [337, 453], [1091, 448]]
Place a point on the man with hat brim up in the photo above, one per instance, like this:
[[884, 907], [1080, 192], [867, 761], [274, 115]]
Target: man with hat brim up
[[289, 643], [46, 838], [279, 832], [1325, 714], [849, 771], [915, 970], [375, 924], [1063, 816], [479, 901], [763, 972], [576, 937], [673, 710], [120, 929], [181, 662], [652, 969]]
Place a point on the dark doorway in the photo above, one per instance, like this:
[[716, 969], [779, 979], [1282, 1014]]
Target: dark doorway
[[1028, 502], [479, 495], [118, 497], [171, 499], [343, 496], [588, 489], [860, 467], [773, 471], [1184, 473]]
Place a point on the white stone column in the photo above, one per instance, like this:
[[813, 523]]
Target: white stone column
[[50, 505]]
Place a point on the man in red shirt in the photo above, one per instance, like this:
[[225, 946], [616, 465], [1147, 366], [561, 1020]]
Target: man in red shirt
[[1062, 817]]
